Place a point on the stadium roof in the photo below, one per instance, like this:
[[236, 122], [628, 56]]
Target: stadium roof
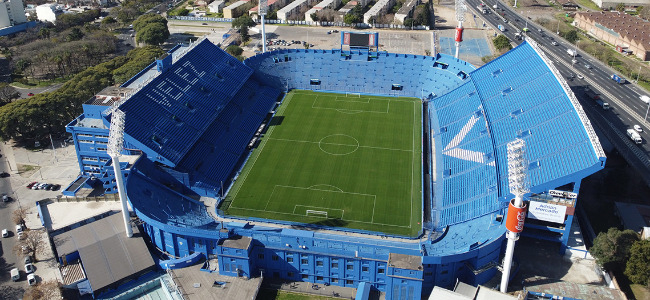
[[518, 95], [169, 113]]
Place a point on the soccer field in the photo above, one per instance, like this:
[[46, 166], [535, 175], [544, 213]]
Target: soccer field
[[338, 160]]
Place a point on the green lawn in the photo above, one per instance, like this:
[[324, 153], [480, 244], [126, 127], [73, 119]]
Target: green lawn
[[345, 161]]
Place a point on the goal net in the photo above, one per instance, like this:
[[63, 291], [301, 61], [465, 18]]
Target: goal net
[[315, 213], [353, 95]]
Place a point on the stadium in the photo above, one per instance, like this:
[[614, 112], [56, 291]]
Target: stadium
[[346, 167]]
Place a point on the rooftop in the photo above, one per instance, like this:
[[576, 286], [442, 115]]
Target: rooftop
[[403, 261], [109, 96], [627, 26], [108, 256], [237, 242]]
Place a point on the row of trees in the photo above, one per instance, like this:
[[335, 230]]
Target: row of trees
[[623, 252], [35, 117], [58, 56]]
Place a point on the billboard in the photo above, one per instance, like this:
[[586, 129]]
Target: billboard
[[562, 194], [354, 39], [546, 212]]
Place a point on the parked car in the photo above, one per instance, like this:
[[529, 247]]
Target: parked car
[[5, 233], [47, 187], [4, 174], [15, 274], [5, 198], [27, 259], [29, 268], [56, 187], [30, 94], [31, 279], [29, 186]]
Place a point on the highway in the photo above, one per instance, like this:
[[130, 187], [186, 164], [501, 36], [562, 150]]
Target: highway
[[626, 110]]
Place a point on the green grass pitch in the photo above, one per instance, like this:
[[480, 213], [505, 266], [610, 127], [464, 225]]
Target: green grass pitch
[[338, 160]]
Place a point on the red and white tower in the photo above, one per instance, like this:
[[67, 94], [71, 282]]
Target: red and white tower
[[460, 17], [518, 185]]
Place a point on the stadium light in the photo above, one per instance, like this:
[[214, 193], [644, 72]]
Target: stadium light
[[461, 8], [115, 146], [518, 185], [263, 8]]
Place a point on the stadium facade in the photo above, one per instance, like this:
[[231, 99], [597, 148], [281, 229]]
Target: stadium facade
[[191, 116]]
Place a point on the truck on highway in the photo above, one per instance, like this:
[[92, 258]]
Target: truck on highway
[[482, 8], [618, 79], [634, 136], [501, 27], [596, 97], [571, 52]]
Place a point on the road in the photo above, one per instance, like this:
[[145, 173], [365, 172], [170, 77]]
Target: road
[[626, 110], [36, 90], [8, 260]]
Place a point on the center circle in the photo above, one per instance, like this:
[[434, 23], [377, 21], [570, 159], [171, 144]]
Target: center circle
[[338, 144]]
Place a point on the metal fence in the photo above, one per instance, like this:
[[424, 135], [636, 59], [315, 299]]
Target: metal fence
[[306, 23]]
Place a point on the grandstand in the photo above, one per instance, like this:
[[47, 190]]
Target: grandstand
[[191, 115]]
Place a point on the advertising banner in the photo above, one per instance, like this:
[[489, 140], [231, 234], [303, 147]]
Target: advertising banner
[[547, 212]]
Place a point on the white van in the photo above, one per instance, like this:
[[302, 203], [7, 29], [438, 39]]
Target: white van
[[15, 275]]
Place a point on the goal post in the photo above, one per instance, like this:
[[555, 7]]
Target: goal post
[[315, 213], [352, 95]]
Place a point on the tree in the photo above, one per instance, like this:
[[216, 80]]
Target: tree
[[620, 7], [180, 12], [144, 20], [354, 16], [645, 12], [75, 34], [612, 248], [314, 16], [502, 42], [243, 34], [109, 23], [50, 289], [571, 36], [637, 268], [44, 33], [243, 21], [32, 243], [153, 34], [7, 93], [234, 50], [19, 215]]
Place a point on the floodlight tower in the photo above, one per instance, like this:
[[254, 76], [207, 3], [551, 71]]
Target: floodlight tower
[[518, 183], [115, 145], [461, 8], [263, 8]]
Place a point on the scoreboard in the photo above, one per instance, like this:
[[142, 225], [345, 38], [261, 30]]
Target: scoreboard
[[356, 39]]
